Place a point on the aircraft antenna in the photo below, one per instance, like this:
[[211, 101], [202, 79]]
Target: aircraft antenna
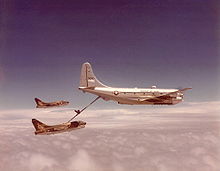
[[80, 111]]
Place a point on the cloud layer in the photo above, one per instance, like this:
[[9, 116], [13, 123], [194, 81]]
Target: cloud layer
[[184, 137]]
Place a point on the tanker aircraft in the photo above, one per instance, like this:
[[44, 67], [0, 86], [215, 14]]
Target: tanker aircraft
[[44, 129], [132, 96], [41, 104]]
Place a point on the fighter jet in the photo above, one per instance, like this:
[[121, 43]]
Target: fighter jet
[[43, 129], [132, 96], [41, 104]]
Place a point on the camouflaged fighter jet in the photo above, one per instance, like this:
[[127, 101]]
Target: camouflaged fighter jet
[[41, 104], [44, 129], [152, 96]]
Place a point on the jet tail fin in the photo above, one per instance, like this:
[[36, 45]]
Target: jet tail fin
[[39, 102], [88, 78], [38, 125]]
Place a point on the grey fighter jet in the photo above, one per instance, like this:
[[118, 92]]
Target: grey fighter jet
[[43, 129], [41, 104]]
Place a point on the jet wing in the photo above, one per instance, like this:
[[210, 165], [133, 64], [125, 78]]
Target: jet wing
[[165, 96], [184, 89]]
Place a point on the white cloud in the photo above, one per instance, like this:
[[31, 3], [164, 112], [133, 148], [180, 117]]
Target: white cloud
[[147, 138], [40, 162], [81, 161]]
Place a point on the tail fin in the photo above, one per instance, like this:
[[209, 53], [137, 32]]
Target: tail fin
[[87, 77], [39, 102], [38, 125]]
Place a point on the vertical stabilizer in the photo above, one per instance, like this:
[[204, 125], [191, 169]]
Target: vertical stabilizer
[[38, 125], [87, 77], [39, 102]]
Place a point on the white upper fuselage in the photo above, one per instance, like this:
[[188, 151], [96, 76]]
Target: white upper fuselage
[[137, 95]]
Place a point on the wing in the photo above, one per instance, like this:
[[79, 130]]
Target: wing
[[166, 96]]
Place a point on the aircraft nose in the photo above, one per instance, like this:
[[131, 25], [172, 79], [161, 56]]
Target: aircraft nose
[[83, 123]]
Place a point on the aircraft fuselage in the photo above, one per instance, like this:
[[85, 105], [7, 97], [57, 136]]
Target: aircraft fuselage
[[53, 104], [55, 129], [133, 96], [137, 95], [41, 104]]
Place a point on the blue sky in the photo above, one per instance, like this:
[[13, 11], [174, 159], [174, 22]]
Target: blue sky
[[167, 43]]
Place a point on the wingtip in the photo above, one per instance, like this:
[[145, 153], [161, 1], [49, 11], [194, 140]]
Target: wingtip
[[184, 89]]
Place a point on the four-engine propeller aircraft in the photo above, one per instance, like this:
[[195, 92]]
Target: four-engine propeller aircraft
[[43, 129], [41, 104], [153, 96]]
